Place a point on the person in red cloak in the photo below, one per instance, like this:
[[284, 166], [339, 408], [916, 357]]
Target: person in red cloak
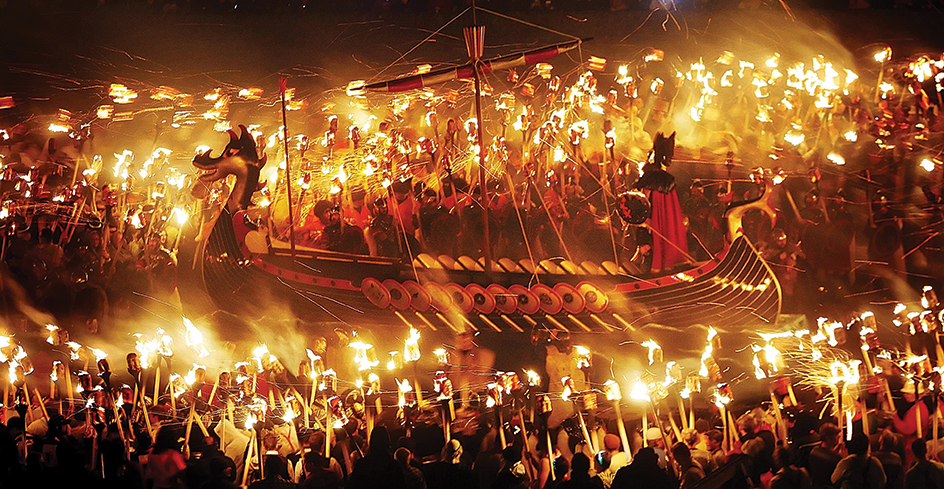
[[669, 243]]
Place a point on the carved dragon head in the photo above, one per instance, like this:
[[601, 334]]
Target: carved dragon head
[[238, 158]]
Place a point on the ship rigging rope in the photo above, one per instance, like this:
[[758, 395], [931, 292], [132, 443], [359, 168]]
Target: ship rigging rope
[[529, 24], [414, 48], [524, 232], [406, 239]]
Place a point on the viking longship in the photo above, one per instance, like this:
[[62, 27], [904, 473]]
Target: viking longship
[[239, 262]]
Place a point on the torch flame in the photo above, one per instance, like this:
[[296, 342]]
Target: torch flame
[[74, 347], [411, 347], [533, 377], [53, 333], [441, 356], [652, 346], [612, 390], [361, 358], [194, 339], [99, 354], [640, 392]]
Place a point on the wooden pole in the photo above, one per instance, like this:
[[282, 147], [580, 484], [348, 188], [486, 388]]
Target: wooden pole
[[306, 407], [486, 247], [675, 428], [550, 452], [645, 426], [865, 420], [42, 406], [447, 425], [781, 431], [725, 445], [157, 381], [213, 392], [173, 396], [416, 387], [793, 398], [29, 410], [69, 392], [201, 425], [732, 425], [838, 397], [252, 444], [682, 412], [583, 429], [147, 419], [935, 420], [187, 431], [621, 427], [288, 168], [328, 429], [531, 470]]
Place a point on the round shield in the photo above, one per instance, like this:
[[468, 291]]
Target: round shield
[[633, 207], [419, 298], [438, 297], [460, 298], [527, 301], [549, 301], [375, 292], [399, 296], [482, 300], [572, 300], [505, 301], [595, 300]]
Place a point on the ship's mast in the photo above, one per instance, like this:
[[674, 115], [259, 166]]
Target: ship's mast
[[288, 169], [475, 45]]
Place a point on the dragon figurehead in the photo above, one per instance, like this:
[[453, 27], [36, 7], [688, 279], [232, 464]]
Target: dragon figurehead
[[239, 158]]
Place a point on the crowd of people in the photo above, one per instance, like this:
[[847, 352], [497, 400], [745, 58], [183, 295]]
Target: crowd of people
[[87, 275], [110, 437]]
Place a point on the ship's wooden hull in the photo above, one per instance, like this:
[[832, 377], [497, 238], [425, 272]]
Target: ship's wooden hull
[[735, 288]]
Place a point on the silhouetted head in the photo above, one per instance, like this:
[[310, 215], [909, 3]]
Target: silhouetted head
[[859, 445], [579, 466], [380, 441]]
